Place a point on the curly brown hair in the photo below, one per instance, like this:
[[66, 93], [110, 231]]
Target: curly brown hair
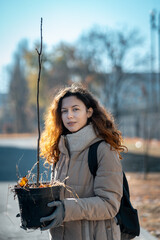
[[101, 119]]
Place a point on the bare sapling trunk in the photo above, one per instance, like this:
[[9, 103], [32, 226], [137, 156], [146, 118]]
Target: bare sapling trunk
[[38, 117]]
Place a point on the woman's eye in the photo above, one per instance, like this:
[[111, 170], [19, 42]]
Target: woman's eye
[[75, 109], [63, 111]]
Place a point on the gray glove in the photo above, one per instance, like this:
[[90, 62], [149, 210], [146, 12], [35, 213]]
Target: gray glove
[[57, 216]]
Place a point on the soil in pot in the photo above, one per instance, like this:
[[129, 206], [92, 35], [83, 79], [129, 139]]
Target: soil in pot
[[33, 204]]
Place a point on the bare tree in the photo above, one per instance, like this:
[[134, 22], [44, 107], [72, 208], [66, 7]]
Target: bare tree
[[108, 53]]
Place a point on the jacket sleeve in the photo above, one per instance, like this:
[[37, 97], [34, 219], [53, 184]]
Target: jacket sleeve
[[108, 188]]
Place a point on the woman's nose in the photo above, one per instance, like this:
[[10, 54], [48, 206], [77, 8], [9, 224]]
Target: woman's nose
[[70, 114]]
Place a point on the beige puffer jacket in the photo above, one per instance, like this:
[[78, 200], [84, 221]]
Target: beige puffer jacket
[[91, 216]]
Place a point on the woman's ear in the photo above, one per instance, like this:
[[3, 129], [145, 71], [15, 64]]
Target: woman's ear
[[89, 112]]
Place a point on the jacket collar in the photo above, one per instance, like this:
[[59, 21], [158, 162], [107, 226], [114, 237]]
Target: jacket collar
[[77, 142]]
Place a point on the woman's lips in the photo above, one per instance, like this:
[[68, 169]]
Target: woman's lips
[[71, 123]]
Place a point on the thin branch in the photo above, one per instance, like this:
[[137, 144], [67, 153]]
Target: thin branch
[[38, 117]]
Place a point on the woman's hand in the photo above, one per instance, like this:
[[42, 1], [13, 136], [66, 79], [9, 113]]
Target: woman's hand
[[57, 216]]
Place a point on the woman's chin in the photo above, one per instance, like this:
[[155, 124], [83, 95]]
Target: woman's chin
[[75, 129]]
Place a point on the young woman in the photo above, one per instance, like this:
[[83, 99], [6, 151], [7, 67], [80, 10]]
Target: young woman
[[74, 122]]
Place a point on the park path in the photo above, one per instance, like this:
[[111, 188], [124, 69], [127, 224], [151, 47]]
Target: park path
[[19, 142], [145, 235]]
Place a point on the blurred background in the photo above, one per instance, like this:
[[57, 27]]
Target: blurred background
[[112, 48]]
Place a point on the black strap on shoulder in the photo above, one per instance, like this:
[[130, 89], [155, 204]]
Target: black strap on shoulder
[[93, 166], [125, 186], [92, 157]]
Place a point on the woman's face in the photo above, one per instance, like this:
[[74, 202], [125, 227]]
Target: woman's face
[[74, 113]]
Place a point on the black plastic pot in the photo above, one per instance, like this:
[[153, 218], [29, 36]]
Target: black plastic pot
[[33, 204]]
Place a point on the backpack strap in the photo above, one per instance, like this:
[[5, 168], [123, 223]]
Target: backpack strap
[[92, 158], [93, 166], [125, 186]]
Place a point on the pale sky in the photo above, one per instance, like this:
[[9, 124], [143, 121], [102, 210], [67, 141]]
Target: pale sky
[[64, 20]]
